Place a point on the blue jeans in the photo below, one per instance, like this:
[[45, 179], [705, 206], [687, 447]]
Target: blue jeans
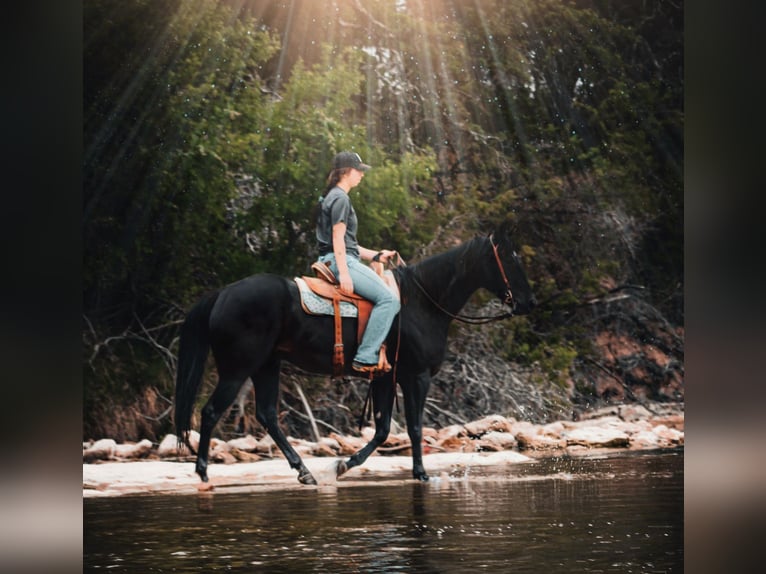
[[369, 285]]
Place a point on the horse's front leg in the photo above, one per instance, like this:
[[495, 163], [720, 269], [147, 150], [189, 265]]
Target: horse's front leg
[[415, 390], [383, 393]]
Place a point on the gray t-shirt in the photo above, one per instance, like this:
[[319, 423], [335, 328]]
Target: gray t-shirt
[[336, 208]]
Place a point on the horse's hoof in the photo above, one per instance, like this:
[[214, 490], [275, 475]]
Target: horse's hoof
[[341, 468], [205, 487], [306, 478], [421, 476]]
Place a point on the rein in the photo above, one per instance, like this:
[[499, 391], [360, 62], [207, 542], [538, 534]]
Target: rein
[[468, 319]]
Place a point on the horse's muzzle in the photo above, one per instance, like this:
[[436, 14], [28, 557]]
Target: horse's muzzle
[[523, 308]]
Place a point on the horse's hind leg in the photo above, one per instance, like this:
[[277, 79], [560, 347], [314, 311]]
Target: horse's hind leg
[[383, 393], [237, 414], [266, 383], [216, 406]]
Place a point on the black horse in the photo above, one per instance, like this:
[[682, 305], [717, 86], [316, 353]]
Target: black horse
[[256, 323]]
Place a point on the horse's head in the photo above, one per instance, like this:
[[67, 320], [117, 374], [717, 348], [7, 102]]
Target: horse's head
[[509, 278]]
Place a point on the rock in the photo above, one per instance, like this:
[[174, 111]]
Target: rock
[[347, 445], [304, 450], [553, 429], [326, 447], [644, 439], [632, 412], [218, 444], [169, 447], [222, 456], [619, 426], [533, 440], [457, 444], [597, 437], [243, 455], [302, 447], [524, 427], [246, 443], [396, 440], [669, 437], [451, 432], [220, 451], [490, 423], [266, 446], [100, 450], [496, 441], [607, 422], [612, 410], [131, 451], [673, 421], [330, 443]]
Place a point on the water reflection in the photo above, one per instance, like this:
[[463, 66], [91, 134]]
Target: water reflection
[[617, 514]]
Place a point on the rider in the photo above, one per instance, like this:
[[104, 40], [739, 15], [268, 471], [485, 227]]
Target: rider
[[336, 238]]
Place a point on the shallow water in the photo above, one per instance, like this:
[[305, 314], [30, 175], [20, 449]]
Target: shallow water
[[621, 513]]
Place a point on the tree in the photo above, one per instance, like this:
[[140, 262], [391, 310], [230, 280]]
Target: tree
[[209, 127]]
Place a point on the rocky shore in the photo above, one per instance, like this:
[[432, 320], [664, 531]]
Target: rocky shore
[[111, 469]]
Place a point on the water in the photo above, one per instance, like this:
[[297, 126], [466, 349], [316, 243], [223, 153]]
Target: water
[[622, 513]]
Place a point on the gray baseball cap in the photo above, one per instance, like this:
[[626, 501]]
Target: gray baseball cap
[[349, 159]]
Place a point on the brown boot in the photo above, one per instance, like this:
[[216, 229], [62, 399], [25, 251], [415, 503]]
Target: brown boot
[[383, 365]]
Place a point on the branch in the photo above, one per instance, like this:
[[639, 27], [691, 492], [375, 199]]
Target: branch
[[453, 416], [319, 421], [306, 406], [165, 413]]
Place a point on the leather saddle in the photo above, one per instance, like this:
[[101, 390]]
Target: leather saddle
[[325, 286]]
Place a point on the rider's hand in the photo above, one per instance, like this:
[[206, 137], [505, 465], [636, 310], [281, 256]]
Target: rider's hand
[[385, 255], [346, 285]]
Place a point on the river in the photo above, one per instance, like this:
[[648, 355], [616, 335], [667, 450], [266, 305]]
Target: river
[[613, 513]]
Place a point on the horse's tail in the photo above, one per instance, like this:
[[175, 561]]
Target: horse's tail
[[192, 354]]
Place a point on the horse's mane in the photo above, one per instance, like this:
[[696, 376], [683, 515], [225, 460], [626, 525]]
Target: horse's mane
[[440, 269]]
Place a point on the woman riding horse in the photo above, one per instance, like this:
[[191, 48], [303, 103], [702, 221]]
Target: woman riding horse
[[254, 324]]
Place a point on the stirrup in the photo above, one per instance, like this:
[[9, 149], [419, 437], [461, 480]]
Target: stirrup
[[383, 366], [364, 367]]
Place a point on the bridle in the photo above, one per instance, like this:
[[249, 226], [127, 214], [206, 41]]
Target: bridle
[[508, 293], [508, 296]]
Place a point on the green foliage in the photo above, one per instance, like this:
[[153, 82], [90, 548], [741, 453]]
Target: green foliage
[[392, 210]]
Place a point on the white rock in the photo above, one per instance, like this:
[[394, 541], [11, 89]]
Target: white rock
[[597, 437], [137, 450], [497, 441], [169, 445], [490, 423], [536, 441], [669, 436], [100, 450], [632, 413], [644, 439], [246, 443]]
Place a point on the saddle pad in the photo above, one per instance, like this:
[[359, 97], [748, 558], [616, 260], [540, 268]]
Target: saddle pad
[[316, 305]]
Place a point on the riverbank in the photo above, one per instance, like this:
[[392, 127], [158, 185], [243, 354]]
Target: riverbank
[[110, 469]]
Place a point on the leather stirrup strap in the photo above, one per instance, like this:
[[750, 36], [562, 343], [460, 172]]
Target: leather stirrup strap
[[338, 358]]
